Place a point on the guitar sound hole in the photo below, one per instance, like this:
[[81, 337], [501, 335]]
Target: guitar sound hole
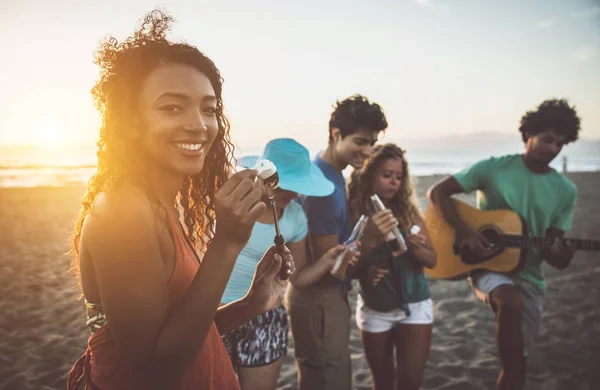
[[469, 257], [492, 236]]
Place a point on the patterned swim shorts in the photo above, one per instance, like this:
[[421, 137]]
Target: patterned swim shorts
[[261, 341]]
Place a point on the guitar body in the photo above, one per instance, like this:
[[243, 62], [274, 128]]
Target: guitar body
[[456, 262]]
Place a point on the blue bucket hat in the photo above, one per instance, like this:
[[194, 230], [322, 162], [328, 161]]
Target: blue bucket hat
[[296, 172]]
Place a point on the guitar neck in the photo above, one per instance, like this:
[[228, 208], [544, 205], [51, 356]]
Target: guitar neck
[[516, 241]]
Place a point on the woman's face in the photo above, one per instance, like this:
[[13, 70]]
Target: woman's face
[[388, 180], [177, 121]]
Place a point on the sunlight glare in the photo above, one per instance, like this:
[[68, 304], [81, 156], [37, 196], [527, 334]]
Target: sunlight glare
[[48, 133]]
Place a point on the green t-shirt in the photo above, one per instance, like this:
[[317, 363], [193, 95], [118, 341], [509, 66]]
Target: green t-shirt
[[542, 200]]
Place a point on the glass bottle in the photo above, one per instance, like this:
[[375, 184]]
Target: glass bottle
[[394, 240], [340, 266]]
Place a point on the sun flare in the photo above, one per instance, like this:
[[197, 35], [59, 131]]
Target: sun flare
[[48, 133]]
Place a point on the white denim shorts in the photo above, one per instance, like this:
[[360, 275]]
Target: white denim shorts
[[369, 320]]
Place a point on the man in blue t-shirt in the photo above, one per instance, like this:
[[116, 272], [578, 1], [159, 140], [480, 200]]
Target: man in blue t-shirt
[[545, 199], [320, 314]]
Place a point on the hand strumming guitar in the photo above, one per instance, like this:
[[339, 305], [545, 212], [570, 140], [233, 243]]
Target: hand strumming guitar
[[477, 243]]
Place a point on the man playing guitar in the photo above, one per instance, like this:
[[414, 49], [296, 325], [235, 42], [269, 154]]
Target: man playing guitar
[[545, 199]]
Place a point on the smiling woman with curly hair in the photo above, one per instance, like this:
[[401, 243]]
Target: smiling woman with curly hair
[[394, 307], [163, 151]]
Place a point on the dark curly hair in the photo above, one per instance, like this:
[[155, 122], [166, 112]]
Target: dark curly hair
[[552, 114], [362, 186], [123, 68], [356, 113]]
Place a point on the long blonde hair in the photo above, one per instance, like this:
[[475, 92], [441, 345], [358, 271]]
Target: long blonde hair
[[362, 185]]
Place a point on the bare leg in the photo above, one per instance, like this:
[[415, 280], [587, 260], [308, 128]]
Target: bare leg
[[508, 304], [261, 377], [379, 351], [412, 350]]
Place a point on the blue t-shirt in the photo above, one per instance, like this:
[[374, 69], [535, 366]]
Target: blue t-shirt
[[293, 227], [328, 214]]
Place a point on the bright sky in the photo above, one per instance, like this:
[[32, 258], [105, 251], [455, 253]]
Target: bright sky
[[436, 66]]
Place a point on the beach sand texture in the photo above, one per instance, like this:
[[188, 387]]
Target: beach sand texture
[[42, 331]]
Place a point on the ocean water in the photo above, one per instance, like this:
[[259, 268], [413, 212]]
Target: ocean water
[[34, 166]]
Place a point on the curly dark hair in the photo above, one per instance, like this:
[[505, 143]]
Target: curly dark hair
[[552, 114], [362, 186], [123, 68], [357, 113]]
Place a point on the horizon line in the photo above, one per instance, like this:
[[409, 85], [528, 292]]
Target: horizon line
[[486, 132]]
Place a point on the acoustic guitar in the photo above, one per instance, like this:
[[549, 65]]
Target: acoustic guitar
[[504, 228]]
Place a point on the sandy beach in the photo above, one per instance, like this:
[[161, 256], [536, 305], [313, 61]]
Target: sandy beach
[[42, 330]]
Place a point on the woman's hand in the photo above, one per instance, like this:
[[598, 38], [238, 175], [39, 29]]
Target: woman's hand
[[238, 205], [416, 242], [267, 287], [378, 227], [375, 274], [422, 248]]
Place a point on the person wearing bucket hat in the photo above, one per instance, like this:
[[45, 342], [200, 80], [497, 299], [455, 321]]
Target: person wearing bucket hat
[[257, 348], [320, 314], [296, 172]]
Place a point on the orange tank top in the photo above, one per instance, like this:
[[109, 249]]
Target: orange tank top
[[103, 366]]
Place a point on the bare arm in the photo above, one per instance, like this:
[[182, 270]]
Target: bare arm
[[319, 246], [307, 274], [264, 293], [440, 196], [122, 240], [422, 248], [134, 291], [234, 315]]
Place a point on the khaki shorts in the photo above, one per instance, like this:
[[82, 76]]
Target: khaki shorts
[[320, 325], [483, 283]]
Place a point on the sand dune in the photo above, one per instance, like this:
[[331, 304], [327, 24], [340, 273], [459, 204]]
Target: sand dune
[[42, 329]]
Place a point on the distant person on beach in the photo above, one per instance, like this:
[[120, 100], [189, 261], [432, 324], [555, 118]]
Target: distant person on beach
[[164, 144], [394, 306], [257, 348], [526, 184], [319, 313]]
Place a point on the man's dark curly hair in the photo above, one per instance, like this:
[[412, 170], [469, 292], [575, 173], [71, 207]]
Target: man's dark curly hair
[[124, 66], [552, 114], [357, 113]]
